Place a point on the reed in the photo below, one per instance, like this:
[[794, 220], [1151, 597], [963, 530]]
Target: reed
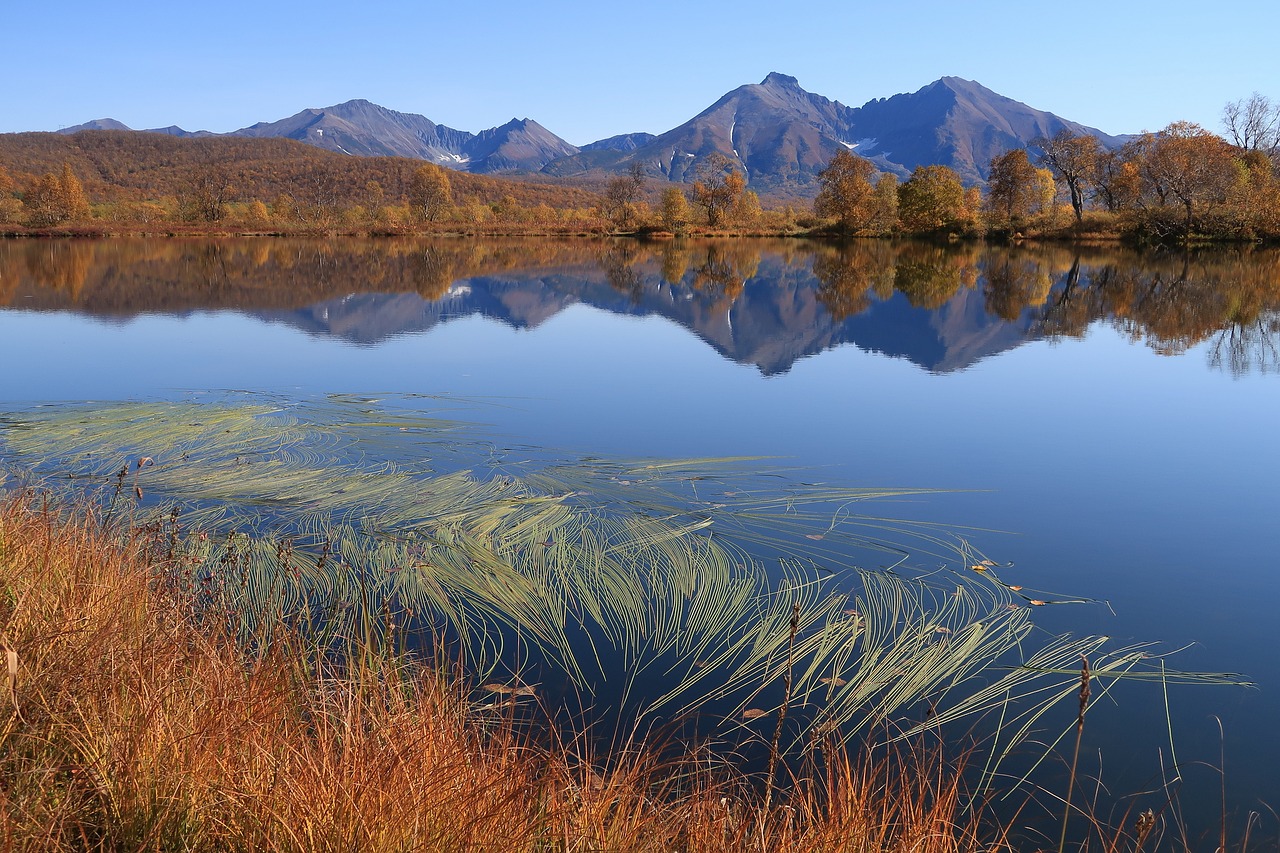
[[134, 726], [1075, 755]]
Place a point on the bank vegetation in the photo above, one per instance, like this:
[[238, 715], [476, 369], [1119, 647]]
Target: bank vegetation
[[1181, 184]]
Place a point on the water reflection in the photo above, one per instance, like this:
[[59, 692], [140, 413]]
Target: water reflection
[[762, 302]]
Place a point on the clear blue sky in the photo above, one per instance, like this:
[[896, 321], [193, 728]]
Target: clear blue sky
[[590, 70]]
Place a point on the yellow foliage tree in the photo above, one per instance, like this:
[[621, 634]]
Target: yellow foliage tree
[[932, 199], [430, 192], [675, 210], [846, 194], [1013, 188], [74, 204]]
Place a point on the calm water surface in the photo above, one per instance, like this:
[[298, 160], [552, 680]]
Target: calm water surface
[[1108, 420]]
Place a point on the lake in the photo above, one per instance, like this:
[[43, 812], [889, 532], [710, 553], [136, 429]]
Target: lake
[[1103, 420]]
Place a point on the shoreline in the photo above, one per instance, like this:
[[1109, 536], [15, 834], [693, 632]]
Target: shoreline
[[1064, 237]]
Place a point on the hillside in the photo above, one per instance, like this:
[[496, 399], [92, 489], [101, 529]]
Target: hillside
[[117, 165]]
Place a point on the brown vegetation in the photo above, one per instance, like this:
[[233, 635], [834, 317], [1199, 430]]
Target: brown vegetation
[[152, 182], [1179, 184], [132, 721]]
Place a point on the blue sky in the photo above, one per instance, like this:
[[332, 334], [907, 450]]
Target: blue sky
[[590, 70]]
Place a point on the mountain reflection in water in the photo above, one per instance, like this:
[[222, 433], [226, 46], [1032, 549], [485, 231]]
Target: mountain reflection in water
[[763, 302]]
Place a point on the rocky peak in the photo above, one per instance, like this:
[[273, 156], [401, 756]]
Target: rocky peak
[[780, 80]]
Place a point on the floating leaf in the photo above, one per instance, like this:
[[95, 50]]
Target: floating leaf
[[753, 714], [509, 689]]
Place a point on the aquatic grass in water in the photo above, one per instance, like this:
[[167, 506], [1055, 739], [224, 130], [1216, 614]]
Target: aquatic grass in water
[[669, 588]]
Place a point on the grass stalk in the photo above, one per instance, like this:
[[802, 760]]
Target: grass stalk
[[774, 744], [1075, 755]]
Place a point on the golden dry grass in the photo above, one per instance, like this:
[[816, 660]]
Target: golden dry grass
[[131, 727]]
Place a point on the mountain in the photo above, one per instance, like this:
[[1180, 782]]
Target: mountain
[[96, 124], [366, 129], [779, 134], [174, 130], [775, 130], [782, 135], [112, 124], [956, 123], [518, 145], [621, 142]]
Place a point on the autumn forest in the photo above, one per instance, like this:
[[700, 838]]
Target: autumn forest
[[1183, 183]]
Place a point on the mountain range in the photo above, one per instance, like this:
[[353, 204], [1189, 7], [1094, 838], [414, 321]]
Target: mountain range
[[778, 133]]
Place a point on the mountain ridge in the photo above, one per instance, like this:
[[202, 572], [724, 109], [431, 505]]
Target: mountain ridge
[[778, 133]]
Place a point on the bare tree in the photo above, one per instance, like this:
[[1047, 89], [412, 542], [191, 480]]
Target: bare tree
[[622, 193], [1253, 123], [206, 194], [718, 185]]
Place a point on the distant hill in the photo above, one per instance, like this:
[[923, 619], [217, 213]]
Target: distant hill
[[174, 130], [96, 124], [112, 124], [778, 133], [621, 142]]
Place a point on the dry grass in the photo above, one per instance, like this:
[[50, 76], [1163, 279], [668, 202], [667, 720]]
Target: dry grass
[[131, 727]]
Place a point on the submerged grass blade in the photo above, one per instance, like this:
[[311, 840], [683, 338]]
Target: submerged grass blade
[[340, 516]]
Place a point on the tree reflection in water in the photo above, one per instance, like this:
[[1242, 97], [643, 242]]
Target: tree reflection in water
[[788, 298]]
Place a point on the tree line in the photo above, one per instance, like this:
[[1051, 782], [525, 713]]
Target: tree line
[[1182, 182], [1178, 183]]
